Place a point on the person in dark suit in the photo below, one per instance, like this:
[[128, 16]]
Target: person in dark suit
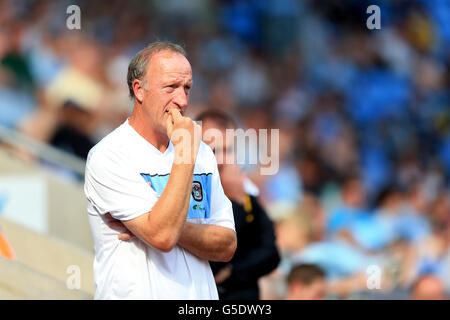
[[256, 254]]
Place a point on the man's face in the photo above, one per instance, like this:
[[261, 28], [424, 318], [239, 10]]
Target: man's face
[[167, 82], [222, 146], [314, 291]]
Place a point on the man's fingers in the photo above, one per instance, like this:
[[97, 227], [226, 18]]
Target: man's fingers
[[116, 224], [126, 236], [222, 275], [175, 114]]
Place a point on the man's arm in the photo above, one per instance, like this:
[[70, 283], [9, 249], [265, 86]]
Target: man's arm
[[161, 228], [208, 242]]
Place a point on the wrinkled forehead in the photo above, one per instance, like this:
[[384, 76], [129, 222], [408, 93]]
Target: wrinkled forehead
[[170, 64]]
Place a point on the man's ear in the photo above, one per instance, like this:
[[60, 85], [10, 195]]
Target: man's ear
[[138, 90]]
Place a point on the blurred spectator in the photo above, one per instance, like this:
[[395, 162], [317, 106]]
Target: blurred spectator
[[413, 224], [306, 282], [71, 134], [256, 254], [428, 287], [352, 208], [352, 219]]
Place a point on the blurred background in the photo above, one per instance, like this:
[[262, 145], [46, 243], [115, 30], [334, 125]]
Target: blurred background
[[364, 119]]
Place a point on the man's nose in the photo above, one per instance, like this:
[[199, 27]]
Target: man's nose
[[181, 98]]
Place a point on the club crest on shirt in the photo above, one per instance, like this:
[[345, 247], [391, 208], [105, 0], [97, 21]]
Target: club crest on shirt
[[197, 192]]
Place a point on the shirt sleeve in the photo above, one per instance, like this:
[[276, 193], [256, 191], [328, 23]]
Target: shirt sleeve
[[221, 208], [111, 185]]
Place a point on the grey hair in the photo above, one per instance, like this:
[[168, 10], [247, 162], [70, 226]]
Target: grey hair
[[138, 65]]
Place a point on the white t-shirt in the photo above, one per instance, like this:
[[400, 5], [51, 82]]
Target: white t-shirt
[[125, 176]]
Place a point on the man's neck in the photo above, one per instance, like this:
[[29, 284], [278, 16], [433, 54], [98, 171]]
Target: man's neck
[[145, 128]]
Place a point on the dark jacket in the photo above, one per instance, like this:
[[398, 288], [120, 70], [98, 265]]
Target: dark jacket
[[256, 254]]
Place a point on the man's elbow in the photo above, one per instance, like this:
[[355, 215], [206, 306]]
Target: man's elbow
[[165, 247], [230, 249], [164, 244]]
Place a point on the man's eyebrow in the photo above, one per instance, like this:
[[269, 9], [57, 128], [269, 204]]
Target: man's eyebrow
[[170, 79]]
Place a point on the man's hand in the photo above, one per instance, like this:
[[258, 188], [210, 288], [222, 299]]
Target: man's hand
[[223, 274], [186, 136], [117, 225]]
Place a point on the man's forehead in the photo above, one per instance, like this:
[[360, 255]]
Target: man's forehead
[[176, 75], [170, 63]]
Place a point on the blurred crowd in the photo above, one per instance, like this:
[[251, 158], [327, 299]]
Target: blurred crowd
[[364, 116]]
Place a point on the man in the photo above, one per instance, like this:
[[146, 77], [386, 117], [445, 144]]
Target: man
[[155, 175], [306, 282], [256, 254]]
